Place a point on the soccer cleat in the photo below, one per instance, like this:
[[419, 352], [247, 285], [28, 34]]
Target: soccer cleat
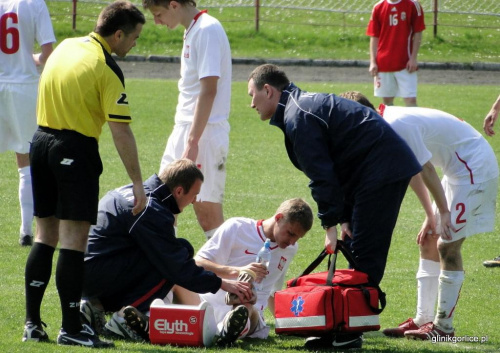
[[25, 240], [92, 316], [401, 329], [119, 329], [428, 332], [347, 341], [137, 321], [492, 263], [316, 343], [85, 338], [35, 333], [335, 341], [232, 326]]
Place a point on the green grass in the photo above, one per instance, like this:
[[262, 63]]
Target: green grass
[[259, 177], [301, 34]]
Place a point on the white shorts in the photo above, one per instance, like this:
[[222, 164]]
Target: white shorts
[[212, 156], [17, 116], [472, 208], [396, 84]]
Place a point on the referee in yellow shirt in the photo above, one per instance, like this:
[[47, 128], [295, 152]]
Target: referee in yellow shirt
[[80, 89]]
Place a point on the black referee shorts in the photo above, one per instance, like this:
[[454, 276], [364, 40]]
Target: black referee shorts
[[65, 170]]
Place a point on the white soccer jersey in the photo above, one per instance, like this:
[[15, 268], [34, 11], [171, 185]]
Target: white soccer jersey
[[448, 142], [206, 53], [21, 23], [236, 243]]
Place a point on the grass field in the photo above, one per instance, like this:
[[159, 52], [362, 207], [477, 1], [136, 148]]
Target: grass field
[[260, 177], [301, 34]]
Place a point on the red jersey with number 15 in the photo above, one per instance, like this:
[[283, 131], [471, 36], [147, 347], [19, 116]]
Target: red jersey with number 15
[[395, 24]]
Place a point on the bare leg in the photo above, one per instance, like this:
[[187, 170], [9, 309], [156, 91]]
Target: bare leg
[[185, 297], [388, 100], [209, 215], [410, 101]]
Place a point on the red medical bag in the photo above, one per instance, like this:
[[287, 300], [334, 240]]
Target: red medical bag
[[330, 301]]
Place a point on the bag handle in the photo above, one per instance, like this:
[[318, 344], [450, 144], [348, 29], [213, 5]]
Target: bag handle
[[332, 263], [311, 267]]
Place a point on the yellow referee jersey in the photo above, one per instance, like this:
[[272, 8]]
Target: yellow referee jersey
[[82, 87]]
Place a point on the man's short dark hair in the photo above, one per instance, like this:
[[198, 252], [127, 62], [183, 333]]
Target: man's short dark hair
[[269, 74], [119, 15], [182, 172]]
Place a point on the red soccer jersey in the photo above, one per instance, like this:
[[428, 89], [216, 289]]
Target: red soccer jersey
[[394, 24]]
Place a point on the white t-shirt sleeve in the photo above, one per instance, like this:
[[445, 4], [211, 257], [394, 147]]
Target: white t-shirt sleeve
[[209, 52], [218, 248], [44, 31]]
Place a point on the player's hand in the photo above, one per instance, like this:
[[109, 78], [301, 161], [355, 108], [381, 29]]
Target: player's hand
[[489, 123], [140, 198], [373, 69], [331, 240], [259, 269], [428, 230], [191, 152], [412, 65], [345, 229], [447, 226], [242, 289]]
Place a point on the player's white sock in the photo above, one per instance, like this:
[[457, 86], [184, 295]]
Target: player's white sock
[[210, 233], [450, 283], [26, 201], [428, 285]]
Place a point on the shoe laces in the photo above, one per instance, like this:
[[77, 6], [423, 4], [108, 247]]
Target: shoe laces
[[130, 331], [97, 317], [407, 321], [428, 327]]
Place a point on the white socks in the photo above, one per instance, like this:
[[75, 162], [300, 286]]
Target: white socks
[[26, 201], [442, 285], [428, 285], [450, 283]]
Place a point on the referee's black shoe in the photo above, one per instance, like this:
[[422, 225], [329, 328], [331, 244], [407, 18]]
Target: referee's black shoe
[[85, 338]]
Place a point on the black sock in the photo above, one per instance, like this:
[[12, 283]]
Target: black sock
[[36, 278], [69, 282]]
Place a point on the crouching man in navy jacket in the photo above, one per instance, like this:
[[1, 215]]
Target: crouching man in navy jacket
[[132, 260]]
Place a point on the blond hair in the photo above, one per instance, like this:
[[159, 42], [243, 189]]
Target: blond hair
[[297, 211]]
